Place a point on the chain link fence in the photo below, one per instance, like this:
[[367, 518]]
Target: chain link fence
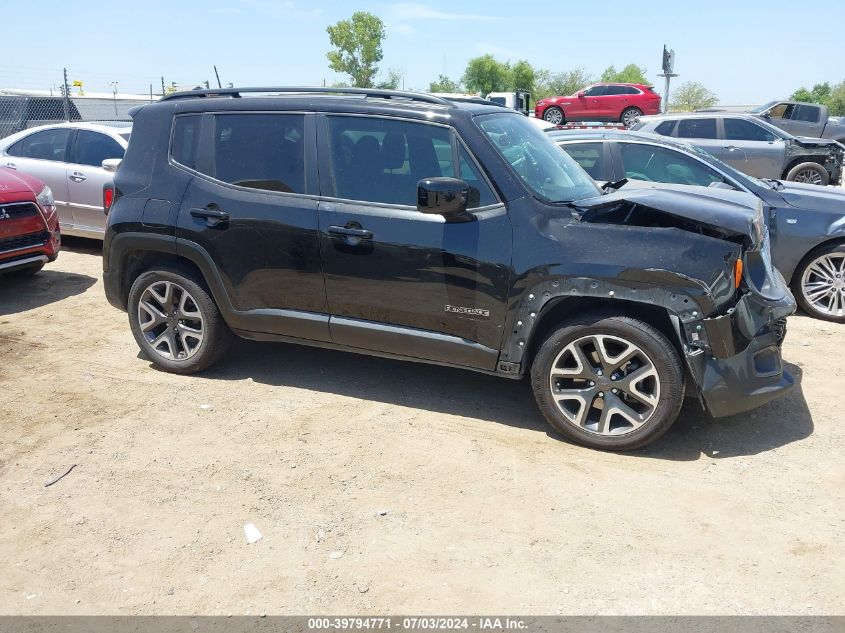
[[19, 111]]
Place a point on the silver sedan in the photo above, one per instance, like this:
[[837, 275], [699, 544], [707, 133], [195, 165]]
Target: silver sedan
[[75, 160]]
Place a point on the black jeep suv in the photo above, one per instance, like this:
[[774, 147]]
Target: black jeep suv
[[408, 226]]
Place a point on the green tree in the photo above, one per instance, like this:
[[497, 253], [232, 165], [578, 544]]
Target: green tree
[[819, 94], [392, 81], [631, 74], [444, 84], [836, 100], [548, 84], [521, 76], [357, 43], [691, 96], [485, 75]]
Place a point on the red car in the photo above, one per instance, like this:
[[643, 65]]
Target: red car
[[601, 102], [29, 224]]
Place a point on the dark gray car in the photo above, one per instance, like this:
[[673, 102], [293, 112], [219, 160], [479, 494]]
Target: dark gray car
[[753, 146], [807, 222]]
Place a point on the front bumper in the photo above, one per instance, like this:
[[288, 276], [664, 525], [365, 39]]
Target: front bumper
[[742, 368]]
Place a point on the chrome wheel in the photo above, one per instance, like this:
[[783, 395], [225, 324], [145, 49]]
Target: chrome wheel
[[810, 176], [629, 117], [170, 320], [605, 385], [553, 116], [823, 284]]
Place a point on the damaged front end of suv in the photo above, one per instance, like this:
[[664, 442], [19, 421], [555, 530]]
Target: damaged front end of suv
[[700, 263]]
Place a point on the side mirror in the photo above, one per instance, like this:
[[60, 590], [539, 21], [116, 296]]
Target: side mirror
[[111, 164], [442, 196], [580, 94]]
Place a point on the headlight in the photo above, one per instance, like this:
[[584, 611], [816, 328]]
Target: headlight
[[45, 199], [759, 225]]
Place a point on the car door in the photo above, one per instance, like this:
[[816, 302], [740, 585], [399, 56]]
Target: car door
[[399, 281], [86, 177], [805, 120], [251, 207], [43, 154], [764, 152], [595, 104], [615, 99], [593, 156]]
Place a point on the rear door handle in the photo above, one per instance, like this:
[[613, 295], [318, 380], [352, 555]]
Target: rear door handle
[[11, 166], [213, 217], [346, 231], [78, 176]]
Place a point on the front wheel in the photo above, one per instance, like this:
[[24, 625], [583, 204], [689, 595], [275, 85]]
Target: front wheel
[[554, 115], [819, 283], [630, 116], [811, 173], [608, 382], [175, 321]]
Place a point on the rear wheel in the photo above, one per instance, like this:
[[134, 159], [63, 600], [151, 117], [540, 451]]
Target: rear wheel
[[630, 115], [819, 283], [554, 115], [175, 321], [811, 173], [609, 382]]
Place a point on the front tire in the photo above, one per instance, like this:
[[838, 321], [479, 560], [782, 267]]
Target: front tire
[[811, 173], [608, 382], [819, 283], [554, 115], [175, 321], [630, 116]]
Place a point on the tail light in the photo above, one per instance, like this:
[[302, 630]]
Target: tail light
[[108, 197]]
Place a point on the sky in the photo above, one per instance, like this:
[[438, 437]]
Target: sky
[[746, 51]]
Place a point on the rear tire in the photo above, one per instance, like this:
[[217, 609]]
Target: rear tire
[[605, 401], [629, 116], [175, 321], [819, 292], [811, 173], [554, 115]]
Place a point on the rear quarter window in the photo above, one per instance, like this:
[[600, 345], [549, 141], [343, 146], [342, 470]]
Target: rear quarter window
[[184, 140], [666, 128]]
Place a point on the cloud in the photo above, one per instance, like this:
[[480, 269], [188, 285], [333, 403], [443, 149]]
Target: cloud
[[408, 11], [401, 29]]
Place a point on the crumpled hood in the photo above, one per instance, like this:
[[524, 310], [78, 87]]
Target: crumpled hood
[[808, 141], [731, 211], [802, 195]]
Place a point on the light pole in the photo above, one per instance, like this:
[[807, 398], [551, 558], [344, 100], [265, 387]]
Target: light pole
[[114, 96], [668, 73]]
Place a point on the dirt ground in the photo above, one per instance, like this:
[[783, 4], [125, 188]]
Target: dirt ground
[[387, 487]]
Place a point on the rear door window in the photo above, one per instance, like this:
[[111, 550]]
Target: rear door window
[[43, 145], [806, 113], [697, 128], [260, 151]]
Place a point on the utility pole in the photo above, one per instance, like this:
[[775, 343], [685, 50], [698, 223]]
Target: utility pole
[[668, 73], [162, 86], [67, 96], [216, 74], [151, 93], [114, 96]]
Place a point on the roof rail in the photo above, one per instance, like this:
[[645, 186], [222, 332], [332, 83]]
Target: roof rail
[[366, 92]]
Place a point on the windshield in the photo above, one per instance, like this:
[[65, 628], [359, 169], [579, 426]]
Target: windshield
[[763, 107], [550, 173]]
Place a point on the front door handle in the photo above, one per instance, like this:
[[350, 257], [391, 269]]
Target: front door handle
[[212, 216], [732, 148], [11, 166], [348, 231], [78, 176]]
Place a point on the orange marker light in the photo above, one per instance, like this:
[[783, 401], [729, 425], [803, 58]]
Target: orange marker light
[[737, 273]]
